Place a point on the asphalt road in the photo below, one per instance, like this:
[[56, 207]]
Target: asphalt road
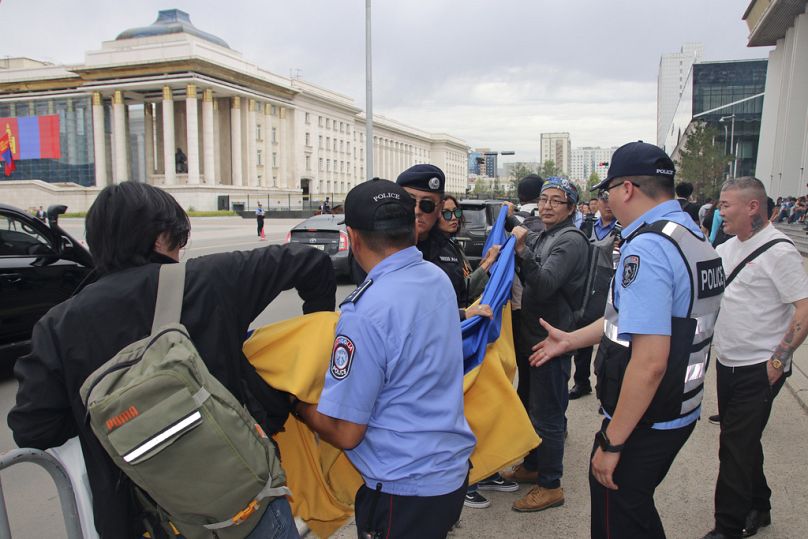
[[685, 499]]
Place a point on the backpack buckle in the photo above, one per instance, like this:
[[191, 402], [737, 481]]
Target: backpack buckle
[[245, 513]]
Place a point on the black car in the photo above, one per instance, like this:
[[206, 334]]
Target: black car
[[40, 266], [479, 217], [327, 233]]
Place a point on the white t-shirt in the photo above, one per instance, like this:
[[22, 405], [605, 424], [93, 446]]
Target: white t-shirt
[[756, 309]]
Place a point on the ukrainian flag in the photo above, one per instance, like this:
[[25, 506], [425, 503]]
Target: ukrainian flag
[[294, 355]]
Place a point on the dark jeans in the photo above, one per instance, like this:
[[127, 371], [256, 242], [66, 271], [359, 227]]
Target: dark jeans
[[260, 224], [277, 522], [583, 359], [629, 512], [522, 364], [380, 515], [745, 403], [549, 398]]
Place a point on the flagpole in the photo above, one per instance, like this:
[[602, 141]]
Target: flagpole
[[368, 98]]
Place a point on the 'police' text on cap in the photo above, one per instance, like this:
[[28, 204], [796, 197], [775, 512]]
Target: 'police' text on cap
[[363, 202], [638, 159]]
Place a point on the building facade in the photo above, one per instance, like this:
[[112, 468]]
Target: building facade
[[673, 71], [556, 147], [728, 96], [175, 106], [782, 156], [584, 161]]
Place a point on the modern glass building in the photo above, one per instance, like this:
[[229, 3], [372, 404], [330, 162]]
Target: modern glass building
[[728, 96]]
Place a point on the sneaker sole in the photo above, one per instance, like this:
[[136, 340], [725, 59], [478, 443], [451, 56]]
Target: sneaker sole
[[477, 505], [498, 488], [537, 509]]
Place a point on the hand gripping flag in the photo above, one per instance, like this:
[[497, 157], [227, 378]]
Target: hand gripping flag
[[293, 356]]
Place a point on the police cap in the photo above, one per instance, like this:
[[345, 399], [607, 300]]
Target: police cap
[[638, 159], [423, 177], [364, 202]]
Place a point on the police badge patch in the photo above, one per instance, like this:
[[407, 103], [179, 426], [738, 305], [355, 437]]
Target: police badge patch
[[434, 183], [631, 267], [342, 357]]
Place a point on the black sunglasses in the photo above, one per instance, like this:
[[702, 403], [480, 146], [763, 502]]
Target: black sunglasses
[[604, 193], [426, 205], [447, 214]]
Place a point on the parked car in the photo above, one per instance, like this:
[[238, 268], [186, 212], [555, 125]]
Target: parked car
[[478, 218], [41, 265], [328, 233]]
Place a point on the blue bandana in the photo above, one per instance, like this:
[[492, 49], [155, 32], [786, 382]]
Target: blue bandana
[[562, 184]]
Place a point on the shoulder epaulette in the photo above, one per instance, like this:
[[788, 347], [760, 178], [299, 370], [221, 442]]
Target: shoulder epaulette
[[354, 296]]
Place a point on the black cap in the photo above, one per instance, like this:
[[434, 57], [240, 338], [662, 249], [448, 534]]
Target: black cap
[[423, 178], [529, 187], [362, 204], [638, 159]]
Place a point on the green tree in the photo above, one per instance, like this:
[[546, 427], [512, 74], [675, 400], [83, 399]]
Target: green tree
[[594, 179], [519, 171], [702, 162], [548, 169]]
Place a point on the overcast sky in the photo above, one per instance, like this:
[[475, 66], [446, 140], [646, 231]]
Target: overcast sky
[[495, 73]]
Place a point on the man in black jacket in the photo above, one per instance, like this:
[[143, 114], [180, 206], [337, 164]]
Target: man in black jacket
[[133, 228], [550, 263]]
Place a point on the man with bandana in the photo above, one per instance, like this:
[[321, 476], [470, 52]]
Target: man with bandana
[[654, 343]]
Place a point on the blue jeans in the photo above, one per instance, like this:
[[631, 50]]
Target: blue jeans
[[277, 522], [549, 398]]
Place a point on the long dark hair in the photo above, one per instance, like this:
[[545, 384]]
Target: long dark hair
[[125, 220]]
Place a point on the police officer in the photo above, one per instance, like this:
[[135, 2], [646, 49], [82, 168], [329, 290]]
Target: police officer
[[653, 354], [425, 184], [393, 395]]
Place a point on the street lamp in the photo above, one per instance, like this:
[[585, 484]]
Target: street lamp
[[731, 142], [496, 179]]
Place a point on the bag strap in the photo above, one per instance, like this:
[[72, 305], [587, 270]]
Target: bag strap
[[170, 288], [267, 492], [756, 253]]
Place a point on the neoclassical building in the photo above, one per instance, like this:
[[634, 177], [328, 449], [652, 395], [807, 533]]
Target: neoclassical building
[[174, 106]]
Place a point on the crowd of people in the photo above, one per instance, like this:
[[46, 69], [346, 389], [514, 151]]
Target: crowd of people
[[392, 396]]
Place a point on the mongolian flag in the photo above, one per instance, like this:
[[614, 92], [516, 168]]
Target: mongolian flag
[[33, 137], [294, 356], [6, 155]]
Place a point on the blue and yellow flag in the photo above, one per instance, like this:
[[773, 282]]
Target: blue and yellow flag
[[294, 355]]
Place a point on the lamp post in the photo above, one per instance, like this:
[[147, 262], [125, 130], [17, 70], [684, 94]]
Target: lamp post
[[731, 142], [368, 98], [496, 179]]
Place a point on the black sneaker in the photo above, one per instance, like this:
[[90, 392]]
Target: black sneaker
[[579, 391], [715, 419], [496, 482], [476, 500], [754, 520]]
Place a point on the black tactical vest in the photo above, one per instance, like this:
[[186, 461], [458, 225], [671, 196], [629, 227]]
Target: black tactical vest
[[682, 386]]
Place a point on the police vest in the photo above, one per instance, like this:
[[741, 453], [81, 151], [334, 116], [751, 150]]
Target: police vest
[[682, 386]]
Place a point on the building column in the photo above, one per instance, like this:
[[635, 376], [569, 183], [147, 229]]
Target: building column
[[192, 126], [207, 137], [148, 142], [99, 148], [235, 139], [252, 168], [267, 146], [119, 137], [283, 157], [168, 137]]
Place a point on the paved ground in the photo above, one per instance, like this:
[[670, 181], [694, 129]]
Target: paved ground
[[684, 499]]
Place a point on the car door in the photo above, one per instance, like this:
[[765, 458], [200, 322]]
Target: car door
[[33, 276]]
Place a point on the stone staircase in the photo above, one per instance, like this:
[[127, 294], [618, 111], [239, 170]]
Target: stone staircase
[[796, 233]]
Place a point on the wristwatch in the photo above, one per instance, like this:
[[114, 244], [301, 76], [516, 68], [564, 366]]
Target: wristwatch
[[605, 444], [777, 364]]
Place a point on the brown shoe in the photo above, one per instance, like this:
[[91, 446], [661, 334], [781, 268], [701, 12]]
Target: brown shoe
[[520, 474], [539, 499]]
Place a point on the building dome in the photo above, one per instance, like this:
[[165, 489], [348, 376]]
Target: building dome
[[171, 21]]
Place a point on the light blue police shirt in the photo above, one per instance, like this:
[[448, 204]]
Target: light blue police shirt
[[660, 286], [397, 367]]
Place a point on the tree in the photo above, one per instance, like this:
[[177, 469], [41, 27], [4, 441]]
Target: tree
[[519, 171], [549, 169], [702, 162], [594, 179]]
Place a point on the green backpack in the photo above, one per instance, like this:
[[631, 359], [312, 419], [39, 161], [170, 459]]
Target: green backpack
[[178, 433]]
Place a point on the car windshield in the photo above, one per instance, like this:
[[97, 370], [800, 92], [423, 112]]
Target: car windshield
[[474, 217]]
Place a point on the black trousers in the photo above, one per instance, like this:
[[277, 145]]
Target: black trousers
[[260, 224], [522, 361], [388, 516], [745, 403], [583, 359], [629, 512]]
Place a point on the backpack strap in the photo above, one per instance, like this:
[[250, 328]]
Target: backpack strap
[[170, 288], [756, 253], [267, 492]]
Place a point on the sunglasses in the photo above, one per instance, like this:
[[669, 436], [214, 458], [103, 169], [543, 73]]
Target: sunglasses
[[447, 214], [426, 205]]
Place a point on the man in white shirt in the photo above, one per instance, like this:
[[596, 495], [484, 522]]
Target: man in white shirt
[[763, 319]]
